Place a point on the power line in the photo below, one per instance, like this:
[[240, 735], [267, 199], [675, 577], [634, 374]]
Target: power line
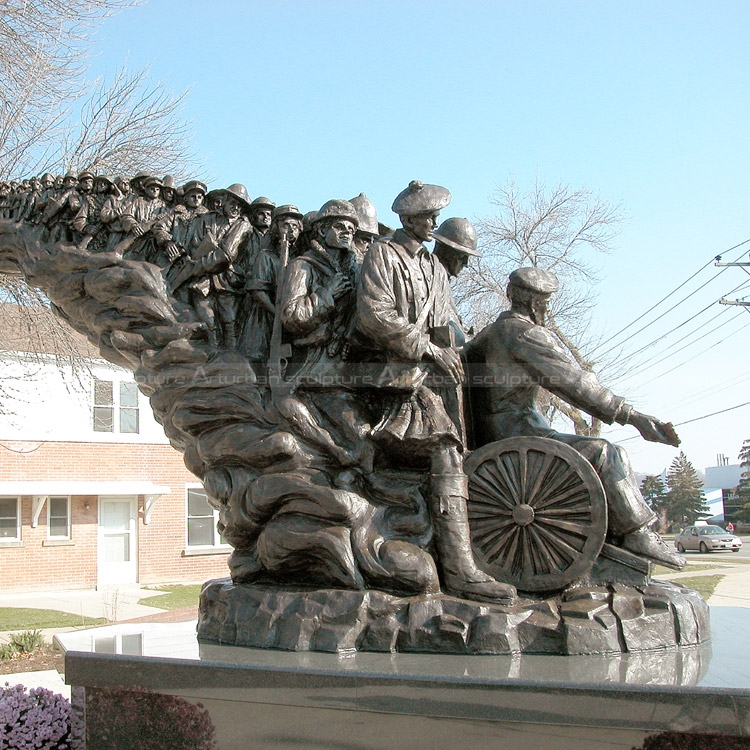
[[696, 419], [649, 363], [690, 359], [666, 297], [710, 391], [677, 327]]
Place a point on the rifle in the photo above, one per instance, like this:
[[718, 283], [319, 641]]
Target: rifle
[[277, 351]]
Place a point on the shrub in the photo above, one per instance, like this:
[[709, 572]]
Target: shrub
[[26, 642], [37, 719], [136, 719]]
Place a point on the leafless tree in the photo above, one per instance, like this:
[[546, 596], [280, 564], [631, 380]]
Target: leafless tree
[[127, 124], [562, 230], [52, 118]]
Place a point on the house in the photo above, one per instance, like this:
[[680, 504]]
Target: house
[[91, 492]]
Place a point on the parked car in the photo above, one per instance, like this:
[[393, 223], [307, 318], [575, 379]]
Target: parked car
[[706, 539]]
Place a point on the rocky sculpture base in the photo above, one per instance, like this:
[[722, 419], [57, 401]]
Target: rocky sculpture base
[[615, 618]]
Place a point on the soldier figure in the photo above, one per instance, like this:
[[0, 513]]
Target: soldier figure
[[60, 212], [172, 228], [168, 191], [518, 355], [367, 230], [213, 267], [404, 297], [6, 202], [261, 213], [262, 281], [317, 310], [140, 214], [88, 221]]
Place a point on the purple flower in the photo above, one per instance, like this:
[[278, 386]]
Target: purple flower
[[37, 719]]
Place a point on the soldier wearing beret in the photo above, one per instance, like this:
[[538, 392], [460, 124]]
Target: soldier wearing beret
[[403, 298], [513, 358]]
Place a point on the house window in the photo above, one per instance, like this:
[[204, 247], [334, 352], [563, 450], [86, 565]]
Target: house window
[[10, 527], [201, 520], [116, 407], [58, 518]]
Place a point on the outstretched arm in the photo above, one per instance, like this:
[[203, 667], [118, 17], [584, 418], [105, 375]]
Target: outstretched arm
[[653, 430]]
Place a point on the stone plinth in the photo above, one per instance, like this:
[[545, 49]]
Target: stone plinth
[[585, 620]]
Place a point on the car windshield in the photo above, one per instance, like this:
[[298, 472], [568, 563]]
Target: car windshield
[[711, 531]]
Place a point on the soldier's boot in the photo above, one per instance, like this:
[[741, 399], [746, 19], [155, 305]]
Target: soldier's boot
[[647, 543], [460, 575]]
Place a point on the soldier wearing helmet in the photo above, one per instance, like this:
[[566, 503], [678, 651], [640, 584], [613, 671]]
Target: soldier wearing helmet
[[403, 300], [368, 229], [172, 228], [455, 242], [59, 213], [261, 214], [317, 306], [168, 190], [286, 224], [214, 273], [88, 221]]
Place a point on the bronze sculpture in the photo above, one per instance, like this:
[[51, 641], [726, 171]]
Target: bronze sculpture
[[518, 356], [316, 389]]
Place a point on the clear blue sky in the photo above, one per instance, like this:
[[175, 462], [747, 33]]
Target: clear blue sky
[[644, 102]]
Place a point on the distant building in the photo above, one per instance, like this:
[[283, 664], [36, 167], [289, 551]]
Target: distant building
[[721, 481], [91, 492]]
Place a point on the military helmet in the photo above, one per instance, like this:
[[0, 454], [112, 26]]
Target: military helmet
[[86, 174], [368, 216], [238, 191], [286, 210], [137, 180], [458, 234], [263, 202], [534, 279], [307, 220], [191, 185], [337, 209], [419, 198], [168, 182]]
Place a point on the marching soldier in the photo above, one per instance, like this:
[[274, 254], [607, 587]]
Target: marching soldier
[[404, 297]]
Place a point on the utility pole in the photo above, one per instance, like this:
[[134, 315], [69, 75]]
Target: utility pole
[[741, 302]]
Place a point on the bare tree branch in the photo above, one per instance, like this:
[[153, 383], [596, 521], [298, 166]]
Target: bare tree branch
[[561, 230]]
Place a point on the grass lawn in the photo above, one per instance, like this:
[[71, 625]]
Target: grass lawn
[[660, 570], [174, 597], [16, 618], [704, 585]]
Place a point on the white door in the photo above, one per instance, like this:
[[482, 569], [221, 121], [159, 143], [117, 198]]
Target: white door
[[118, 543]]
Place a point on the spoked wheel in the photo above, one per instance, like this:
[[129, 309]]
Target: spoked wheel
[[537, 512]]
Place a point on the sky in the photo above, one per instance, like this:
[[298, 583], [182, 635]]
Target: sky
[[644, 103]]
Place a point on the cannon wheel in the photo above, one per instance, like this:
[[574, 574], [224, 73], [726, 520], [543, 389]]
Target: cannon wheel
[[537, 512]]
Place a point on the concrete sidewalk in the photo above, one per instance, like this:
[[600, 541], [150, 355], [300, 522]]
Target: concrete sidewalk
[[113, 603]]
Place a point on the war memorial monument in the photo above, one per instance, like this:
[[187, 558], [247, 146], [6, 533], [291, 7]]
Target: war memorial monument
[[386, 481]]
